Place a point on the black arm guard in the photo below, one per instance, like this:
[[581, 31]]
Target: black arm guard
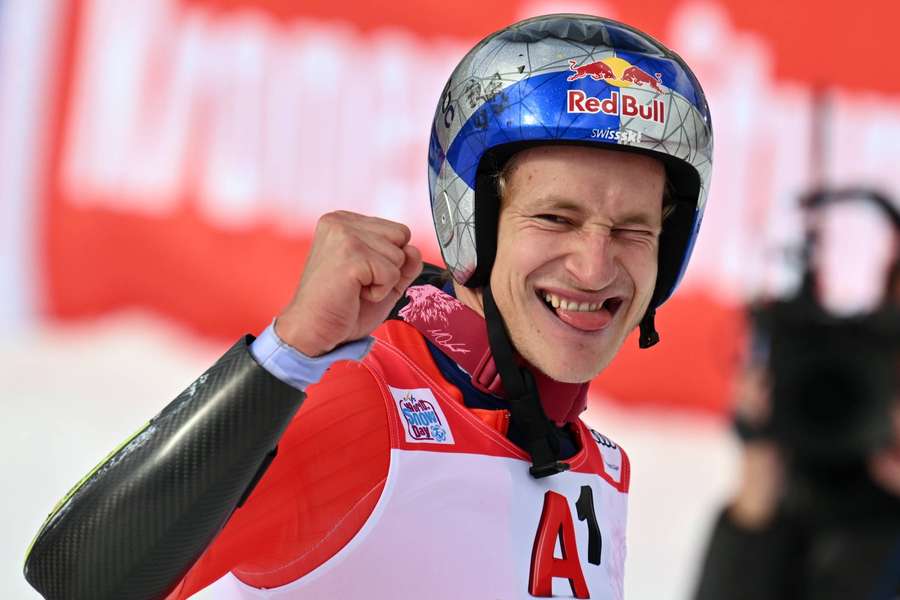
[[133, 527]]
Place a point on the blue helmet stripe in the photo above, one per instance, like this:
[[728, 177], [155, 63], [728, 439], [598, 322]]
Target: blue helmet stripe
[[535, 109], [537, 105]]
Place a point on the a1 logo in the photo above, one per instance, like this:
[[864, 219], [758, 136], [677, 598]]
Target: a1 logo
[[557, 524]]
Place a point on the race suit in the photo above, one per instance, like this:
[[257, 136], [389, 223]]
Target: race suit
[[385, 484]]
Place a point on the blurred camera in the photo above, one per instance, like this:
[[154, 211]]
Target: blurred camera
[[834, 377]]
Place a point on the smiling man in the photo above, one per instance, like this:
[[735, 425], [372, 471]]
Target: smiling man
[[442, 454], [576, 254]]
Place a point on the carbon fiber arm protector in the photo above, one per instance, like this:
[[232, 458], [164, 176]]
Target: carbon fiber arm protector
[[134, 526]]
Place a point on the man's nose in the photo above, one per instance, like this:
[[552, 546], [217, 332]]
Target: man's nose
[[591, 259]]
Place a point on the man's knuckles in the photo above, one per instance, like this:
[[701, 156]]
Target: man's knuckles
[[342, 225], [331, 222], [402, 234], [351, 248]]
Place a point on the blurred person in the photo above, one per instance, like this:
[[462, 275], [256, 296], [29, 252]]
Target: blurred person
[[806, 526], [442, 454]]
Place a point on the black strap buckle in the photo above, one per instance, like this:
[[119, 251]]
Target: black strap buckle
[[548, 469]]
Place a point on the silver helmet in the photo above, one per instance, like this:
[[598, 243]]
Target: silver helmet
[[574, 79]]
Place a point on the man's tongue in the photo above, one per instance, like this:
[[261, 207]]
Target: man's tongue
[[586, 321]]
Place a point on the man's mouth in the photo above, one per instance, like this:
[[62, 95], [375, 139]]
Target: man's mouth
[[583, 316]]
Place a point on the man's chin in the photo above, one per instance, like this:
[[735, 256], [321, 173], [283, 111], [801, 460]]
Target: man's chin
[[566, 357], [569, 371]]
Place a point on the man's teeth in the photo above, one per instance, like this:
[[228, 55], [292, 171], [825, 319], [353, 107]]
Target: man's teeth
[[561, 303]]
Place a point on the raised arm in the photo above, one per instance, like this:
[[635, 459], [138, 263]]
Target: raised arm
[[136, 524]]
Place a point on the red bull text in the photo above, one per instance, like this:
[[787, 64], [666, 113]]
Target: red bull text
[[620, 105]]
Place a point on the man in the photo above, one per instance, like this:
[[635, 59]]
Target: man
[[445, 459]]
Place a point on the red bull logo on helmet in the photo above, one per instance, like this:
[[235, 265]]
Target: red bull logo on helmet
[[620, 73]]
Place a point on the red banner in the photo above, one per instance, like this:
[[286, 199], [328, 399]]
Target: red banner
[[194, 144]]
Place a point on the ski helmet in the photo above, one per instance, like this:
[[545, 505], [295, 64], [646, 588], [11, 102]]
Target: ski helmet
[[569, 79]]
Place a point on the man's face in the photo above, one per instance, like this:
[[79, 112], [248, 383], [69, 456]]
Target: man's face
[[576, 254]]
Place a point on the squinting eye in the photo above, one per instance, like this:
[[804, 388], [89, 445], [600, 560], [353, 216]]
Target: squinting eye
[[554, 219], [635, 232]]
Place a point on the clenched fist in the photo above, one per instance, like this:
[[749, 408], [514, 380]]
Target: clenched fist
[[357, 269]]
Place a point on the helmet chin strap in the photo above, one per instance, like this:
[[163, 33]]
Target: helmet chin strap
[[649, 336], [522, 394]]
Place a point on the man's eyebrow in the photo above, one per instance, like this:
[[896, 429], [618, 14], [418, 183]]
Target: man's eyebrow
[[639, 218], [555, 203], [642, 218]]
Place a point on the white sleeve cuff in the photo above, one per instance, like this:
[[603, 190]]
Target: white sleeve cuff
[[297, 369]]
